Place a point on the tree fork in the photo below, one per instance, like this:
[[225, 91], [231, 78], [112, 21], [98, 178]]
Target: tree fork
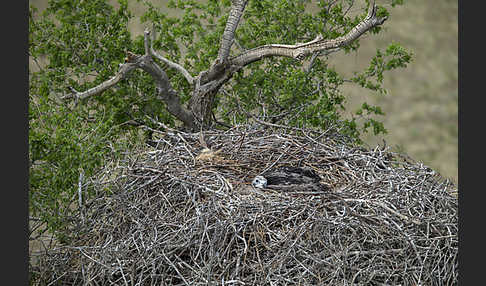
[[198, 114]]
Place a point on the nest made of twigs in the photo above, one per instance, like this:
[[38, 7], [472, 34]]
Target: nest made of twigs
[[186, 214]]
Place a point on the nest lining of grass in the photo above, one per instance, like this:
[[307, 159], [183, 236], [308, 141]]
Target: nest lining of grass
[[185, 213]]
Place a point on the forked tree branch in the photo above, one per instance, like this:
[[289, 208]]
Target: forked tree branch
[[175, 66], [171, 64], [166, 93], [164, 90], [299, 51]]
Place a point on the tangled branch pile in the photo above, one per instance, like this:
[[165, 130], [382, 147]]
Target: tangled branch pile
[[181, 216]]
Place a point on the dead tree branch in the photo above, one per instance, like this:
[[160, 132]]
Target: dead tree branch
[[299, 51], [171, 64], [198, 113], [122, 73], [164, 89]]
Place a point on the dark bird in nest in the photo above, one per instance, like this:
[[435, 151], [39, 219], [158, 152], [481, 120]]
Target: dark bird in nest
[[289, 179]]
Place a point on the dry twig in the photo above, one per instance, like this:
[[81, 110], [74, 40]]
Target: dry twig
[[174, 220]]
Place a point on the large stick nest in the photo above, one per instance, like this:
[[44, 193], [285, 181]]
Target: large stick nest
[[183, 215]]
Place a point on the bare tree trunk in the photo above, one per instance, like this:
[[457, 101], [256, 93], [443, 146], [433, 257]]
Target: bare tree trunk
[[198, 113]]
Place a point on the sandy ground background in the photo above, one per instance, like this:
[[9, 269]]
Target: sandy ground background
[[422, 102]]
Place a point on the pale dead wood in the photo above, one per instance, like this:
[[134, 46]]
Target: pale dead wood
[[301, 50], [122, 73]]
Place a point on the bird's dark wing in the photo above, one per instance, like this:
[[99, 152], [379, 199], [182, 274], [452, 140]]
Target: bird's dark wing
[[289, 178]]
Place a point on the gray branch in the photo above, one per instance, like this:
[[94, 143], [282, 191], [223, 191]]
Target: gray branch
[[229, 31], [165, 92], [122, 73], [150, 50], [301, 50], [164, 89]]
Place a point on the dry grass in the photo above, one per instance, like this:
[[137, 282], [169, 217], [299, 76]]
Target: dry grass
[[421, 107]]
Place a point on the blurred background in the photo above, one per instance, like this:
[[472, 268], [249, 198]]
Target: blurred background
[[421, 106], [422, 101]]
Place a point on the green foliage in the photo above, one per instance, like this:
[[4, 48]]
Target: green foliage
[[83, 43], [280, 90]]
